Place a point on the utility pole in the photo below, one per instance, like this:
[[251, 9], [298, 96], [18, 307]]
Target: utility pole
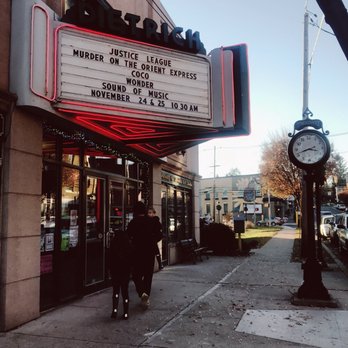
[[269, 207], [214, 185], [305, 115], [305, 109]]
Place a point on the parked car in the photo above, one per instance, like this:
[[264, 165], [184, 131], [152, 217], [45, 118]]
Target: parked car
[[342, 231], [341, 206], [274, 221], [327, 226]]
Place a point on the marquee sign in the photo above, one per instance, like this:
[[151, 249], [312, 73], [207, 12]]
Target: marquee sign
[[118, 72], [136, 83]]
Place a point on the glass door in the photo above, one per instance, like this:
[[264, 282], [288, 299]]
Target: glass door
[[165, 226], [95, 230], [116, 206], [69, 260], [48, 286]]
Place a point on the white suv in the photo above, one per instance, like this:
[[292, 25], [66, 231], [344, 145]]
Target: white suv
[[327, 226]]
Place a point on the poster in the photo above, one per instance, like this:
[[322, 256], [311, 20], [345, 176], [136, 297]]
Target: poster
[[49, 241], [64, 244], [46, 262]]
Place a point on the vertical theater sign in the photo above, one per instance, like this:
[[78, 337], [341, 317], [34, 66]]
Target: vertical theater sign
[[149, 87]]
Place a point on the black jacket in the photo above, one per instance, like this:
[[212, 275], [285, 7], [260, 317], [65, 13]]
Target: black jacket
[[144, 233], [120, 254]]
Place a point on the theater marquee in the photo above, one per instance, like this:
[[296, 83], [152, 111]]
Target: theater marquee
[[120, 73], [130, 80]]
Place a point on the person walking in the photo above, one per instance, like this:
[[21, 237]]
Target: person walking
[[144, 237], [120, 267], [152, 213]]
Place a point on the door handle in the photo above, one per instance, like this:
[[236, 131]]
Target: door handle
[[109, 235]]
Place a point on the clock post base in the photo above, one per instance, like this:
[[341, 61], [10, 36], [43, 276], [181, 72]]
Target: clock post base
[[312, 287]]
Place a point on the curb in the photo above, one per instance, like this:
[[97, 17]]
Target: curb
[[338, 262]]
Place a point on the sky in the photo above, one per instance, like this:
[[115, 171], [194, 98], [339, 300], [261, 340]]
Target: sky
[[273, 31]]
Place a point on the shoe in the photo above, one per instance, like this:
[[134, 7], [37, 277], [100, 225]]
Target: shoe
[[114, 313], [115, 298], [145, 300], [125, 309]]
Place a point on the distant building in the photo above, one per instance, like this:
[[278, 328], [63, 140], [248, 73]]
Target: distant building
[[224, 198], [233, 194]]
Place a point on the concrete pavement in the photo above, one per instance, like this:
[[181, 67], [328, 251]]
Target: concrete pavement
[[220, 302]]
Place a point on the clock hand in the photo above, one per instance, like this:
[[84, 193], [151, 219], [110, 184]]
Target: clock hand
[[309, 149]]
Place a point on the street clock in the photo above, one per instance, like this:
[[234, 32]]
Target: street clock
[[309, 149]]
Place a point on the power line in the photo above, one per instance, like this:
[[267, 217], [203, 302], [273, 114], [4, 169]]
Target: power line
[[338, 134], [260, 145]]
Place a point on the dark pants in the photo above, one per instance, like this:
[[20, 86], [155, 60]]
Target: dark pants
[[120, 281], [142, 273], [118, 285]]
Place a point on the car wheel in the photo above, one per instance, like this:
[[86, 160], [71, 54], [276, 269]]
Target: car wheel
[[272, 223]]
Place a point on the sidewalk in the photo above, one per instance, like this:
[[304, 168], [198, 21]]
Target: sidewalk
[[220, 302]]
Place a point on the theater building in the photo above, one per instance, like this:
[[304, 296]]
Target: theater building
[[102, 104]]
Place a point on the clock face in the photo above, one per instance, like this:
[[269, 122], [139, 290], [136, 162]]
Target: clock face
[[309, 148]]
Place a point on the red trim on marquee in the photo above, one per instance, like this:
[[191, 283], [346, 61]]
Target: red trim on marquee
[[223, 106], [155, 138], [232, 99]]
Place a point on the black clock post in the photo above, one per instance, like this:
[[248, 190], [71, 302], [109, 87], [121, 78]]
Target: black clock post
[[309, 150]]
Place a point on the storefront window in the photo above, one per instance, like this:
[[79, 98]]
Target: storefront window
[[71, 153], [143, 183], [188, 217], [130, 201], [70, 208], [171, 216], [176, 213], [95, 229], [48, 242], [48, 217], [116, 206], [180, 212]]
